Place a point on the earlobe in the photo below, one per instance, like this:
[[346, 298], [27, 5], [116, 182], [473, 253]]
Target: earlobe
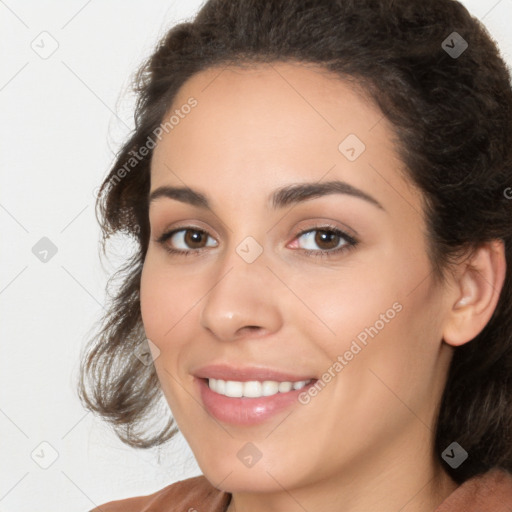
[[475, 296]]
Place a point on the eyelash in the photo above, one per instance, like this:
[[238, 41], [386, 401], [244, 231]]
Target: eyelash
[[351, 242]]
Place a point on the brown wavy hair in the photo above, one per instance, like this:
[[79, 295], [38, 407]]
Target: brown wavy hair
[[452, 119]]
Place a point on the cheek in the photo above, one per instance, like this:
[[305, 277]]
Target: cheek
[[162, 301], [150, 302], [163, 311], [170, 305], [354, 303], [387, 313]]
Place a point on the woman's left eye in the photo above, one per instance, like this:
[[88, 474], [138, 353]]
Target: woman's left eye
[[328, 240]]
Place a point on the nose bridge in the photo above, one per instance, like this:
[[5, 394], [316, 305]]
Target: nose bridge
[[241, 298]]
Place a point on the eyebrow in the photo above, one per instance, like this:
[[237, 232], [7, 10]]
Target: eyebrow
[[280, 198]]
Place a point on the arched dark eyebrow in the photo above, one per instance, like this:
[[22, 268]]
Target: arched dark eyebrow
[[280, 198], [296, 193]]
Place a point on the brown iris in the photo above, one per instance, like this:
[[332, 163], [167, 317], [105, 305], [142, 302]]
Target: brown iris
[[327, 237], [194, 238]]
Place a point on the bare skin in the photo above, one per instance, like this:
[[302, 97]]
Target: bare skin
[[365, 441]]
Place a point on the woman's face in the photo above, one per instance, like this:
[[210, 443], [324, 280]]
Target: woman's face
[[304, 258]]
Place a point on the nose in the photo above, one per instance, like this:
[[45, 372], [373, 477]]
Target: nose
[[242, 301]]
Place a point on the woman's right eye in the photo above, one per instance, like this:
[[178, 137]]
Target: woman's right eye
[[185, 240]]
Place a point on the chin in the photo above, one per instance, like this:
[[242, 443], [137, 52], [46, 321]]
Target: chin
[[241, 481], [262, 477]]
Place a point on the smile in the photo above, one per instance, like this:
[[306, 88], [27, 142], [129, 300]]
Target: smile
[[253, 388], [249, 402]]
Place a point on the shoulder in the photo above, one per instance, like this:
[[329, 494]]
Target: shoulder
[[190, 495], [488, 491]]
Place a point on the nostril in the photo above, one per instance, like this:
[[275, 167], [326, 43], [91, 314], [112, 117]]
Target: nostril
[[249, 328]]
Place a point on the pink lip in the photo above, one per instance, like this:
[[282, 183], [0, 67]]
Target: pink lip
[[243, 374], [246, 411]]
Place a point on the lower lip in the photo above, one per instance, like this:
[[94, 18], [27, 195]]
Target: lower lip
[[244, 410]]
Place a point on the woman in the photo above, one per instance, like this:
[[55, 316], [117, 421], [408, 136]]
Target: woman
[[320, 196]]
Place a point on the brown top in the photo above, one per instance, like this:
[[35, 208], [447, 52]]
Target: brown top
[[491, 491]]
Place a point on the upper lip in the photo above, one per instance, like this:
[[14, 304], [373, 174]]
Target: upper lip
[[247, 373]]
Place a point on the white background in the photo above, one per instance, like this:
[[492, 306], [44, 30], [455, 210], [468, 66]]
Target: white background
[[62, 120]]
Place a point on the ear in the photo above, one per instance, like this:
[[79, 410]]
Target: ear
[[478, 281]]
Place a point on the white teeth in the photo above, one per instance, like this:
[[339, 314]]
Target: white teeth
[[234, 388], [270, 387], [285, 387], [253, 388], [221, 386]]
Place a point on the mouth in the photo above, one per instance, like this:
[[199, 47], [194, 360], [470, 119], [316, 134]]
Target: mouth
[[248, 396], [244, 410], [253, 388]]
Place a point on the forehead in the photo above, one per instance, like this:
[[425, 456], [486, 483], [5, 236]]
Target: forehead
[[274, 123], [281, 102]]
